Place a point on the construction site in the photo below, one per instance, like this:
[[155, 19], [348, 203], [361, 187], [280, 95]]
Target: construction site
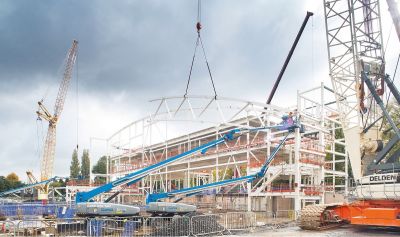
[[206, 165]]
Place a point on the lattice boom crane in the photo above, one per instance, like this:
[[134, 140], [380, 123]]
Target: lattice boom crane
[[47, 163]]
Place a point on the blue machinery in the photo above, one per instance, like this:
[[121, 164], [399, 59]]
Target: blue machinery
[[186, 192], [84, 197], [41, 183], [86, 206]]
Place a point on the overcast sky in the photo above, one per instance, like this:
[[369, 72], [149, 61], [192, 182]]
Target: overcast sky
[[134, 51]]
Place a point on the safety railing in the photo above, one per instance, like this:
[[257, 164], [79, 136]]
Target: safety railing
[[196, 225]]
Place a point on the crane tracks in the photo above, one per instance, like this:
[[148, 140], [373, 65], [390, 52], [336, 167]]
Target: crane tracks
[[312, 218]]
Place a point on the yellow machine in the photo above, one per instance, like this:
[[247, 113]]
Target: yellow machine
[[47, 162]]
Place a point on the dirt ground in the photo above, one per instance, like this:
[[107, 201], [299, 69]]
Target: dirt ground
[[343, 231]]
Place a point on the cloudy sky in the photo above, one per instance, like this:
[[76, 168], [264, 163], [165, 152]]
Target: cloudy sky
[[133, 51]]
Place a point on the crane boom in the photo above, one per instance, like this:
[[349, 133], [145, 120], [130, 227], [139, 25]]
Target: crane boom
[[62, 91]]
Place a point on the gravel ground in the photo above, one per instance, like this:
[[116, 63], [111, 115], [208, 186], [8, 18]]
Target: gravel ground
[[343, 231]]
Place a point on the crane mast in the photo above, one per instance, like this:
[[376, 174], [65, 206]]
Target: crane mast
[[47, 162], [353, 32]]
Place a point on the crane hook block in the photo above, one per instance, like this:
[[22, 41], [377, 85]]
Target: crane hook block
[[198, 26]]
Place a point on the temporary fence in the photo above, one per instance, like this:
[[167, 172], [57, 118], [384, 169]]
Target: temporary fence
[[239, 220], [19, 211], [196, 225], [207, 224]]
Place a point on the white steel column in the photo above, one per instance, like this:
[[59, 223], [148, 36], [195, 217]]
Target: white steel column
[[297, 177], [248, 169], [322, 144]]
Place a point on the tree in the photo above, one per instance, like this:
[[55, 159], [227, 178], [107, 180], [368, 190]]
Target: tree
[[4, 184], [100, 168], [12, 177], [11, 181], [85, 161], [75, 167], [388, 133]]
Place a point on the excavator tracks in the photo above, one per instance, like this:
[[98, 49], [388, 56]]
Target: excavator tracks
[[314, 217]]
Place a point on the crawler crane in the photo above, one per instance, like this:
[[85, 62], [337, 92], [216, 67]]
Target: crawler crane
[[357, 71]]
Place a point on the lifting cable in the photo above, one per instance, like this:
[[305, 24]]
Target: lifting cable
[[199, 42]]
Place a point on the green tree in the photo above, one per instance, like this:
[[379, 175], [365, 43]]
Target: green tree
[[388, 133], [11, 181], [75, 167], [228, 174], [100, 168], [4, 184], [85, 161]]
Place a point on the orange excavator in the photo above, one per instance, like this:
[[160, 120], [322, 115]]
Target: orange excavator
[[357, 70]]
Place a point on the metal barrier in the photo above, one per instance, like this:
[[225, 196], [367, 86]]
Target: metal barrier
[[113, 226], [51, 227], [207, 224], [166, 226], [239, 220], [18, 211], [198, 225]]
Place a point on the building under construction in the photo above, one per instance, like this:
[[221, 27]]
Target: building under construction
[[311, 168]]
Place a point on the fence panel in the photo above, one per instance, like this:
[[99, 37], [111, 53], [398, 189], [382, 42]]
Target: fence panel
[[36, 227], [167, 226], [71, 227], [7, 228], [30, 210], [239, 220], [207, 224], [197, 225], [114, 226]]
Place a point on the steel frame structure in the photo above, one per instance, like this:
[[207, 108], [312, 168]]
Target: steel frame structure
[[181, 123]]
